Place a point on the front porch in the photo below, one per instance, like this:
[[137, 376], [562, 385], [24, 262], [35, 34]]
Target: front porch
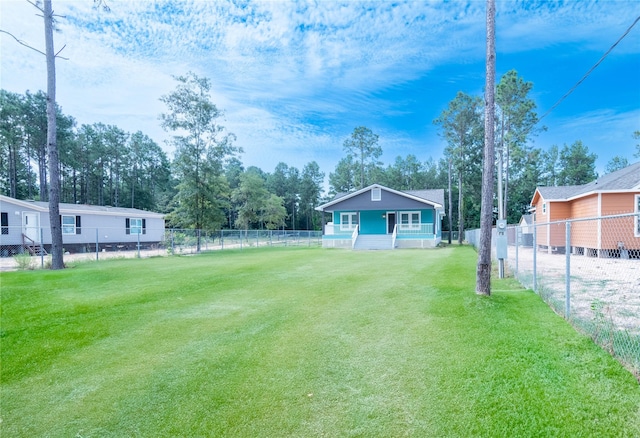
[[421, 236], [377, 217]]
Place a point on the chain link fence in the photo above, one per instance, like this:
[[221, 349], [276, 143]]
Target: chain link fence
[[587, 270], [29, 249]]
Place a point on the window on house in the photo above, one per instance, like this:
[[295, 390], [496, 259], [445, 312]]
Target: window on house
[[4, 222], [348, 221], [410, 220], [136, 226], [376, 194], [544, 208], [637, 217], [70, 224]]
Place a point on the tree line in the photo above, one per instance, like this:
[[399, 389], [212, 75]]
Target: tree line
[[521, 167], [206, 186]]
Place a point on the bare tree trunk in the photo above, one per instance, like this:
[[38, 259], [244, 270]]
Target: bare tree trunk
[[450, 206], [57, 261], [13, 169], [483, 271], [460, 209]]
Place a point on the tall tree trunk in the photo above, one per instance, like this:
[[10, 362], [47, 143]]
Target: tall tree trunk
[[42, 172], [57, 261], [460, 209], [500, 171], [13, 169], [506, 184], [29, 182], [450, 206], [483, 271]]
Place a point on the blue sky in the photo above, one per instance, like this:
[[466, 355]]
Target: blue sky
[[295, 78]]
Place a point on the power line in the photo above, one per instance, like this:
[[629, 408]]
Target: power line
[[590, 70]]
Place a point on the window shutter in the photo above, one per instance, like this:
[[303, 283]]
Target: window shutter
[[144, 226], [78, 229], [127, 224], [5, 223]]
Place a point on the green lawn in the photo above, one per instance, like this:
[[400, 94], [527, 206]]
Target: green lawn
[[298, 342]]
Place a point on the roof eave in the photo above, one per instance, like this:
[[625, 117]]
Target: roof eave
[[323, 207]]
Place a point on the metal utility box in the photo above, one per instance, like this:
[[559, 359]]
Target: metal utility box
[[501, 239]]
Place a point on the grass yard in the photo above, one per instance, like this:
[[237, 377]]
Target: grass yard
[[298, 343]]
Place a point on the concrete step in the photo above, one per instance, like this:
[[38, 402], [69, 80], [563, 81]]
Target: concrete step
[[373, 241]]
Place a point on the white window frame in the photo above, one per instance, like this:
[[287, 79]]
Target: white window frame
[[410, 224], [544, 208], [70, 228], [376, 194], [636, 207], [351, 222], [137, 228]]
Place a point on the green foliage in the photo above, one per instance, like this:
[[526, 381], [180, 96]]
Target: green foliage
[[517, 163], [99, 164], [577, 165], [363, 150], [462, 127], [285, 183], [310, 191], [616, 163], [201, 148], [24, 261], [298, 342]]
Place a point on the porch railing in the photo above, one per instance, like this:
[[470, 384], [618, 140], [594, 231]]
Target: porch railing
[[338, 229], [405, 229], [354, 237], [394, 236]]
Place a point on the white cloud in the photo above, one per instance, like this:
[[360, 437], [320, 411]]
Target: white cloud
[[294, 78]]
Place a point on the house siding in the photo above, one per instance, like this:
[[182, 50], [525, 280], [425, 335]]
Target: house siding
[[588, 207], [619, 230], [108, 228], [584, 234], [618, 203], [373, 217], [389, 201], [373, 222]]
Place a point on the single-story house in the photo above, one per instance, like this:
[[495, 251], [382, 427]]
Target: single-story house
[[616, 193], [25, 227], [377, 217]]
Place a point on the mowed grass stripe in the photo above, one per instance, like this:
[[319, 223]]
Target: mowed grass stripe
[[298, 342]]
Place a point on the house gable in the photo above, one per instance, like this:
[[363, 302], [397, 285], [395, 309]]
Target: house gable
[[377, 197]]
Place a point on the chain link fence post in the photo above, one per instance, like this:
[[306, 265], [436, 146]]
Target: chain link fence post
[[42, 248], [535, 252], [567, 274]]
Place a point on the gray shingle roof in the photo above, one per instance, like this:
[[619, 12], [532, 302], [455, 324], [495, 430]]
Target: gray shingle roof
[[434, 195], [96, 209], [623, 179]]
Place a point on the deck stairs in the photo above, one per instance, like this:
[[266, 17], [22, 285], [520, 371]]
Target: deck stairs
[[34, 248], [373, 241]]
